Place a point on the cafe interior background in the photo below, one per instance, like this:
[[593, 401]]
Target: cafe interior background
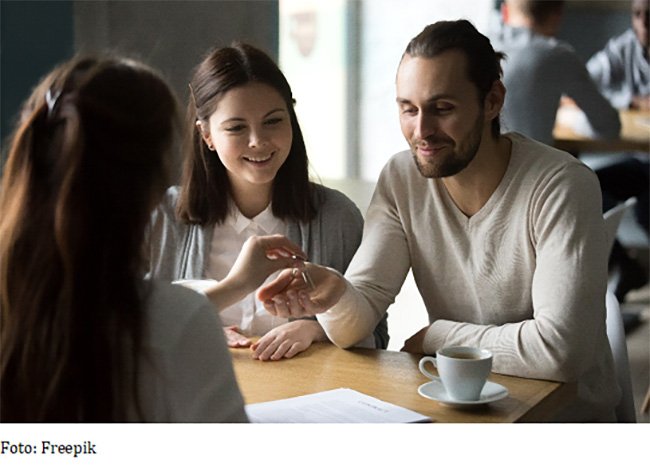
[[340, 57]]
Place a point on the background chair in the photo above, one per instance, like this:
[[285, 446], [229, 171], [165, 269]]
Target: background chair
[[625, 411], [613, 218]]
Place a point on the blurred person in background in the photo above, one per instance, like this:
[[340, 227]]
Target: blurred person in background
[[622, 73]]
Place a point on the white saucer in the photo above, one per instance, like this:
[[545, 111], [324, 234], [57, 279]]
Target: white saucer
[[435, 390]]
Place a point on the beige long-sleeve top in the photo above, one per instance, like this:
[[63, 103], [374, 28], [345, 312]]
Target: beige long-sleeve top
[[525, 277]]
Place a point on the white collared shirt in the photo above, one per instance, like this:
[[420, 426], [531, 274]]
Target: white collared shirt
[[227, 240]]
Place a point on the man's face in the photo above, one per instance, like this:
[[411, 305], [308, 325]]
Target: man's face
[[640, 17], [440, 113]]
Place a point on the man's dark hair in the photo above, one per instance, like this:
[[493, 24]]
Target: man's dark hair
[[483, 63]]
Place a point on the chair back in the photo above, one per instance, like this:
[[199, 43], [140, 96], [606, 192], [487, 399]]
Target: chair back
[[625, 411], [613, 219]]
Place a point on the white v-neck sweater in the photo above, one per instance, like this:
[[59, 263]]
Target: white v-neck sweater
[[525, 277]]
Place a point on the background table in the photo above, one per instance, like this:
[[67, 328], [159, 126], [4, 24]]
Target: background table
[[392, 377], [635, 136]]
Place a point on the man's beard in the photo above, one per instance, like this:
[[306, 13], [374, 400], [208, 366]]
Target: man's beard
[[456, 161]]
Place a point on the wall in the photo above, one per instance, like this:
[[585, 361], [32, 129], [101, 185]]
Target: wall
[[34, 37], [587, 25], [173, 36], [386, 28], [313, 56], [170, 35]]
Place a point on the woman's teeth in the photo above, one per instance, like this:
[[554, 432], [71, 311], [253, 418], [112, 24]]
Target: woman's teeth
[[258, 159]]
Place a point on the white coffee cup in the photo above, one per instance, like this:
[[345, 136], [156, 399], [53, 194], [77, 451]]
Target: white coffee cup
[[463, 370]]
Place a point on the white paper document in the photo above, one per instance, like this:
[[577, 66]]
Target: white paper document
[[336, 406]]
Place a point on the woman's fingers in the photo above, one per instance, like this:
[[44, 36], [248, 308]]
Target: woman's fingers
[[277, 246], [268, 345], [235, 339], [296, 348], [281, 350], [277, 286], [284, 341]]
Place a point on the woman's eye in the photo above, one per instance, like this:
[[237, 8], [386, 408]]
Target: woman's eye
[[234, 128], [409, 111], [273, 121]]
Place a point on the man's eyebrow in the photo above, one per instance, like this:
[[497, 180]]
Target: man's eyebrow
[[431, 99], [233, 119]]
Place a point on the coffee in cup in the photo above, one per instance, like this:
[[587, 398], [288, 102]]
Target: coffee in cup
[[463, 370]]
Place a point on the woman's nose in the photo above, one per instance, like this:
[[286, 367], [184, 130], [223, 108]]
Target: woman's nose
[[256, 139]]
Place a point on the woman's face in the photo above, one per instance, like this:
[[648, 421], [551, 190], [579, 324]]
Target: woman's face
[[251, 131]]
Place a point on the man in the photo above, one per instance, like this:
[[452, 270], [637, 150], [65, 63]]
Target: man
[[505, 235], [539, 70], [621, 69]]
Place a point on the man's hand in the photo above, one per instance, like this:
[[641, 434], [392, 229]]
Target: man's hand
[[292, 294], [415, 344]]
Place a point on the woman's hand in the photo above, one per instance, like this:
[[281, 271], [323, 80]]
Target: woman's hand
[[307, 290], [287, 340], [260, 256], [235, 338]]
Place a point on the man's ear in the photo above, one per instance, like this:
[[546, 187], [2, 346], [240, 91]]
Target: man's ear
[[494, 100], [205, 133]]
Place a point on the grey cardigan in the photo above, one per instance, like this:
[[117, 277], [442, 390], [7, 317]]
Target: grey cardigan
[[176, 250]]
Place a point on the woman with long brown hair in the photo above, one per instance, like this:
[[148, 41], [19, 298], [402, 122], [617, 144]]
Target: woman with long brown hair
[[83, 337]]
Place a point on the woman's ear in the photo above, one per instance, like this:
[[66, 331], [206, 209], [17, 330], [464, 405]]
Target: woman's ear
[[205, 133]]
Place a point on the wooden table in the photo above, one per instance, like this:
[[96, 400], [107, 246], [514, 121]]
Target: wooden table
[[392, 377], [635, 135]]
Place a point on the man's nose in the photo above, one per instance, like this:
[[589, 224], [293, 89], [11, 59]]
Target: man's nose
[[426, 126]]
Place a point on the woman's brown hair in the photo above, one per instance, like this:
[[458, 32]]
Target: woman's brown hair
[[85, 167]]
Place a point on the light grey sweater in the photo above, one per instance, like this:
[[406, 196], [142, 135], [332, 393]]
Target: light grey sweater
[[185, 373], [180, 251], [621, 70], [525, 277], [538, 70]]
